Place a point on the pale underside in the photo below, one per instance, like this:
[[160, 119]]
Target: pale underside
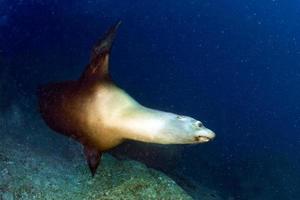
[[114, 117]]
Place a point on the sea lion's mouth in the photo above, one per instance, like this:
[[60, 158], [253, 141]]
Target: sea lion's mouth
[[202, 139]]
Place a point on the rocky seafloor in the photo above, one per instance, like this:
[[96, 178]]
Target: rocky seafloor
[[34, 165]]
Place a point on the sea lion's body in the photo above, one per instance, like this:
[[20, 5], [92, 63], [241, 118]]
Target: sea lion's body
[[100, 115], [82, 116]]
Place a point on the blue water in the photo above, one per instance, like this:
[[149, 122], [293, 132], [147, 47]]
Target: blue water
[[233, 64]]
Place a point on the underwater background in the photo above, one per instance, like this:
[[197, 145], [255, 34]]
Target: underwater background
[[235, 65]]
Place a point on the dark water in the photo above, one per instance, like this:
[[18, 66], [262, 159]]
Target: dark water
[[234, 65]]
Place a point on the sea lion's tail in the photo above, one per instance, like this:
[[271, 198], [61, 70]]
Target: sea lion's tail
[[98, 66]]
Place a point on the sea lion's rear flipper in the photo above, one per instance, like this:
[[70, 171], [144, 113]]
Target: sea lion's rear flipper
[[93, 157], [99, 62]]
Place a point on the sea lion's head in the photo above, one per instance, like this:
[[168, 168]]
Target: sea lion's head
[[181, 129]]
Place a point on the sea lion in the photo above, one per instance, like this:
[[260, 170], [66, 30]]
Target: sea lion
[[100, 115]]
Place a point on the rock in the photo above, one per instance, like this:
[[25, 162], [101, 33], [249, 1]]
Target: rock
[[114, 180], [7, 196]]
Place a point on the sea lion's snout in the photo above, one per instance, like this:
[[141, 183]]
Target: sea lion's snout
[[205, 135]]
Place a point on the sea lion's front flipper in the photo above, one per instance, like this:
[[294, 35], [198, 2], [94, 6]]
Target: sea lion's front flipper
[[99, 62], [93, 157]]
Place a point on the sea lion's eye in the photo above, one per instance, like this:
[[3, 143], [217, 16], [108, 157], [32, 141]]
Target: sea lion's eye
[[199, 124]]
